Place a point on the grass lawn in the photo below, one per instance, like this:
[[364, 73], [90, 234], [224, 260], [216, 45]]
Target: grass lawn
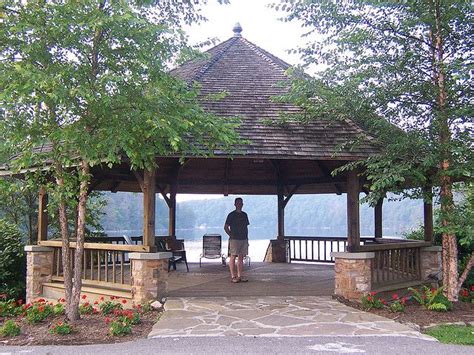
[[453, 334]]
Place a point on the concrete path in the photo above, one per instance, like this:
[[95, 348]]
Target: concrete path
[[272, 316]]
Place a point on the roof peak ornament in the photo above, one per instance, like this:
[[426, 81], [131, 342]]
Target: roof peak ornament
[[237, 30]]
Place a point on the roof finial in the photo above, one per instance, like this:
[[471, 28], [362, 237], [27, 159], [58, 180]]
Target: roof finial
[[237, 30]]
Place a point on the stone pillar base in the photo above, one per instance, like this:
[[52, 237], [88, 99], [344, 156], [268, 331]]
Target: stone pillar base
[[149, 276], [276, 251], [431, 264], [39, 266], [353, 274]]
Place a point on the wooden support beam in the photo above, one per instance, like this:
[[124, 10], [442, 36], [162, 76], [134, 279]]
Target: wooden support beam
[[140, 179], [149, 200], [42, 215], [428, 214], [327, 173], [281, 213], [378, 219], [114, 187], [290, 195], [226, 177], [172, 211], [353, 221]]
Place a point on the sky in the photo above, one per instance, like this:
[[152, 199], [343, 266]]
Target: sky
[[260, 25]]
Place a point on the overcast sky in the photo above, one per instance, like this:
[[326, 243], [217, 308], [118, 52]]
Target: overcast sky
[[260, 25]]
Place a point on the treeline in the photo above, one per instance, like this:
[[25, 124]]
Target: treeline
[[305, 214]]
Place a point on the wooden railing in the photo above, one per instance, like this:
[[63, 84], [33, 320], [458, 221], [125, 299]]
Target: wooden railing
[[395, 261], [316, 249]]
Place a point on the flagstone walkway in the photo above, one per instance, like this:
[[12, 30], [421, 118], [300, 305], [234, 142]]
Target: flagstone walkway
[[271, 316]]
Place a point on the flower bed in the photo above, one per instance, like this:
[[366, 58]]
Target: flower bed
[[44, 323]]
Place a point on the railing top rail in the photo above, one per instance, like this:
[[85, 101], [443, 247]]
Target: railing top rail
[[392, 246], [98, 246], [293, 237]]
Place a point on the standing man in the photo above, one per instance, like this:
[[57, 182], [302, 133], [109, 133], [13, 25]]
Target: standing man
[[236, 227]]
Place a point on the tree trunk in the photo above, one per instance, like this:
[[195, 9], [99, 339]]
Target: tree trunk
[[469, 266], [80, 231], [450, 253], [67, 272]]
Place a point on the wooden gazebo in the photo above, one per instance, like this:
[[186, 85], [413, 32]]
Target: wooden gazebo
[[275, 158]]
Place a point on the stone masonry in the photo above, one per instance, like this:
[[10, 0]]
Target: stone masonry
[[149, 276], [352, 274], [39, 265], [431, 263], [276, 251]]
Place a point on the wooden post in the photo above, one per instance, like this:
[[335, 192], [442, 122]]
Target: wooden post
[[42, 215], [172, 212], [428, 215], [281, 213], [378, 219], [149, 197], [353, 223]]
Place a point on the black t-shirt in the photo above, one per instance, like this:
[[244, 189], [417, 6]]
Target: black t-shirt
[[238, 222]]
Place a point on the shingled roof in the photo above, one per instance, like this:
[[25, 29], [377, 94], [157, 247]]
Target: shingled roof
[[251, 77]]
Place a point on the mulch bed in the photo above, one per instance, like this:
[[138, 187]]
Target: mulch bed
[[90, 329], [462, 313]]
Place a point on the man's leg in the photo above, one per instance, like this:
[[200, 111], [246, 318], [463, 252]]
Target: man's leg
[[232, 266], [240, 266]]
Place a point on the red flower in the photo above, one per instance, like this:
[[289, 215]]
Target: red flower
[[41, 308], [124, 301], [112, 297], [372, 293], [101, 298], [86, 304], [464, 293], [50, 303], [395, 296], [139, 306], [96, 302], [84, 297], [62, 300], [107, 319], [383, 301], [472, 288], [60, 323], [94, 310], [41, 300], [20, 302], [433, 290], [370, 298]]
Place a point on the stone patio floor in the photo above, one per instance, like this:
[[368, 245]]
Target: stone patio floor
[[271, 316], [279, 300]]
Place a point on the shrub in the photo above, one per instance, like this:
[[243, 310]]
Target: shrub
[[130, 317], [38, 312], [432, 299], [466, 295], [9, 308], [86, 308], [60, 328], [12, 261], [398, 304], [10, 329], [58, 309], [120, 328], [109, 307], [372, 301]]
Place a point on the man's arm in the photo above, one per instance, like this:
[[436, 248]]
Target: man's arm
[[227, 230]]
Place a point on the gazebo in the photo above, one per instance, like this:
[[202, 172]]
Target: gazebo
[[274, 158]]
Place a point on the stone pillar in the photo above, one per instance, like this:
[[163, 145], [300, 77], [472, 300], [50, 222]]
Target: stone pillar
[[353, 274], [276, 251], [149, 276], [431, 263], [39, 268]]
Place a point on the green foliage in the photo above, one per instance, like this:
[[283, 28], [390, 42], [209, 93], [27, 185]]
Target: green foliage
[[8, 308], [58, 309], [432, 299], [86, 308], [38, 312], [109, 307], [466, 295], [372, 301], [453, 334], [397, 307], [129, 316], [120, 328], [12, 261], [60, 328], [10, 329]]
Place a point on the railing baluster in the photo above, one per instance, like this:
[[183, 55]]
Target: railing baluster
[[122, 262], [98, 265], [114, 255], [92, 263]]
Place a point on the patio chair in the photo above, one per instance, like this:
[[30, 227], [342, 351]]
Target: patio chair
[[212, 248], [176, 248]]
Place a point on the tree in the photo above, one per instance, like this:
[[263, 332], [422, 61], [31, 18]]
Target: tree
[[87, 83], [401, 69]]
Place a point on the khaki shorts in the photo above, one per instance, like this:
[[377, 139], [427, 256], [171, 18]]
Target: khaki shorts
[[238, 247]]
